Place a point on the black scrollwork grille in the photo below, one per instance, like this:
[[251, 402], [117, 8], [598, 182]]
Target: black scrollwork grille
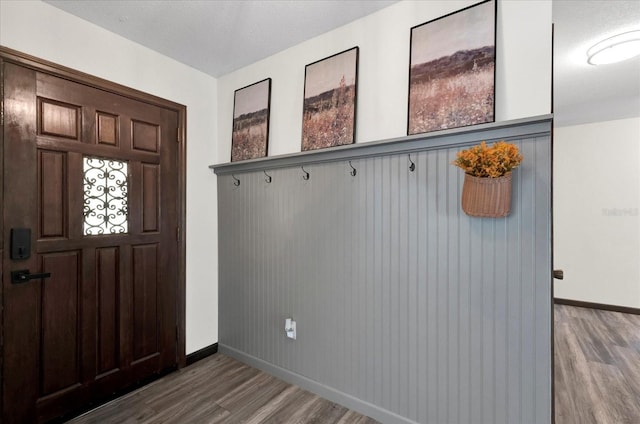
[[105, 196]]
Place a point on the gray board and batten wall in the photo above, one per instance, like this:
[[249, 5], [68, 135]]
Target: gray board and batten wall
[[407, 309]]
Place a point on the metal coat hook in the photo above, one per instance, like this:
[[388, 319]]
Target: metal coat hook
[[412, 167], [268, 179], [353, 170], [306, 174], [236, 182]]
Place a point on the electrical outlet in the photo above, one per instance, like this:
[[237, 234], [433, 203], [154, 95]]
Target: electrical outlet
[[290, 328]]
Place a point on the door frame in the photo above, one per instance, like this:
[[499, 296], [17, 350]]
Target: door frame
[[8, 55]]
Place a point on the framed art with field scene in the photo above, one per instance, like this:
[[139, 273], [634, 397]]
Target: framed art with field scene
[[452, 70], [329, 112], [250, 137]]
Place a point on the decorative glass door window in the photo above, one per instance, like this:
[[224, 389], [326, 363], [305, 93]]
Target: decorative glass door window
[[105, 196]]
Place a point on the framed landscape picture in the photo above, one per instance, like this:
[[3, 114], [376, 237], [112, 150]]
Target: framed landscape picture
[[452, 70], [250, 137], [329, 112]]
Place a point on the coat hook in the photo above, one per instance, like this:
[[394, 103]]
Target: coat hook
[[236, 182], [353, 170], [412, 167], [306, 174], [268, 179]]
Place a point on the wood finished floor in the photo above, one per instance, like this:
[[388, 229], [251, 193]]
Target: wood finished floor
[[220, 389], [597, 366], [597, 381]]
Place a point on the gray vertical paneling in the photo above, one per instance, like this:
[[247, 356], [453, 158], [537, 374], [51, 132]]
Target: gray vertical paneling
[[401, 300]]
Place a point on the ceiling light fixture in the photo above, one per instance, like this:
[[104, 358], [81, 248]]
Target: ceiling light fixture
[[615, 49]]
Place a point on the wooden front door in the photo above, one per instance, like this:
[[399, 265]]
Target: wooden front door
[[93, 176]]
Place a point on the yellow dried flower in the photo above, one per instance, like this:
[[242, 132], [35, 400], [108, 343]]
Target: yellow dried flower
[[489, 161]]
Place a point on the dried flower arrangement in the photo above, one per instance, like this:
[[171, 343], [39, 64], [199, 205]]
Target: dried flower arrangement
[[489, 161]]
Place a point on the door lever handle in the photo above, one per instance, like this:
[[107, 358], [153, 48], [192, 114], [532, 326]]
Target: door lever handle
[[23, 275], [558, 274]]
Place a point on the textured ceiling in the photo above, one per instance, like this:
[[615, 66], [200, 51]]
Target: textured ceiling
[[587, 93], [218, 37]]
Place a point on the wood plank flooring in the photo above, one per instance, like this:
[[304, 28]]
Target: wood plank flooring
[[597, 381], [597, 366], [222, 390]]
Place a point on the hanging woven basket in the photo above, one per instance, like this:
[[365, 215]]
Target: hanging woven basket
[[486, 197]]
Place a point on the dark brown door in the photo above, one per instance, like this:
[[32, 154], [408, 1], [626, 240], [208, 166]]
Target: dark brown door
[[94, 177]]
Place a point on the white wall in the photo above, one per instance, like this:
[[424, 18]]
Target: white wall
[[597, 212], [41, 30], [523, 72]]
